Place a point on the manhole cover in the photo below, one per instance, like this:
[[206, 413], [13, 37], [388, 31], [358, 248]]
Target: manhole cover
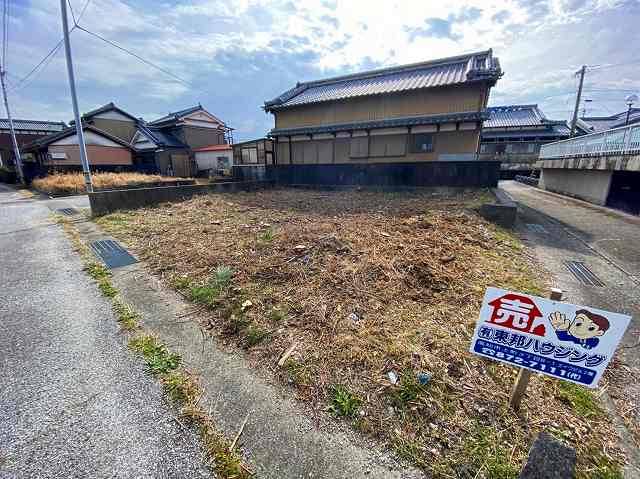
[[112, 254], [536, 228], [67, 211], [583, 274]]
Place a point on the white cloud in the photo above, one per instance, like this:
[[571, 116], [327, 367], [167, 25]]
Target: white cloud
[[237, 53]]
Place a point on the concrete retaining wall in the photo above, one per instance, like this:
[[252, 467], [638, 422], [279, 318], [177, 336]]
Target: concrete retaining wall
[[503, 211], [104, 202], [477, 174], [589, 185]]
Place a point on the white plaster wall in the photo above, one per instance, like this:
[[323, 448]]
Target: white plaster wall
[[90, 138]]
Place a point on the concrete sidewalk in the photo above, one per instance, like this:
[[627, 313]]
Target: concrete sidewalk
[[74, 400]]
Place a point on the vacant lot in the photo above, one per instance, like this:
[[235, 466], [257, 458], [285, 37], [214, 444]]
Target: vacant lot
[[375, 295], [70, 183]]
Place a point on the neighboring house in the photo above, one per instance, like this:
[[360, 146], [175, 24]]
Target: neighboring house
[[157, 151], [169, 142], [215, 158], [254, 152], [513, 134], [165, 145], [61, 151], [195, 127], [596, 124], [417, 114], [26, 132], [113, 120]]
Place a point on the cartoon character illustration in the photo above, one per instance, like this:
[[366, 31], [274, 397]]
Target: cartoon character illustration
[[584, 329]]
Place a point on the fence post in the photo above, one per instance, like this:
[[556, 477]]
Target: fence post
[[522, 380]]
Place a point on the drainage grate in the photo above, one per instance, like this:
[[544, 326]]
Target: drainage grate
[[536, 228], [112, 254], [68, 211], [583, 274]]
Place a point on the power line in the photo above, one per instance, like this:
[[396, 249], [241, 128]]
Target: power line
[[46, 58], [22, 82], [604, 90], [73, 15], [5, 33], [86, 4], [612, 65], [146, 62]]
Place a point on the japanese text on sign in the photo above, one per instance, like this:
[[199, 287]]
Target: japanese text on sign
[[550, 337]]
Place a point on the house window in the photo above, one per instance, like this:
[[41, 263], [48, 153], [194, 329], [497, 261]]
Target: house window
[[249, 156], [421, 143], [223, 163], [388, 145], [359, 147]]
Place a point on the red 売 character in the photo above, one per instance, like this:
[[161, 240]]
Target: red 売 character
[[517, 312]]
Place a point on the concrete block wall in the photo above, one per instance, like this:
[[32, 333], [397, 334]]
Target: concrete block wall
[[104, 202]]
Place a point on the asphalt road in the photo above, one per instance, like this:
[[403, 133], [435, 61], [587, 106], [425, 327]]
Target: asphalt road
[[74, 401], [560, 229], [605, 240]]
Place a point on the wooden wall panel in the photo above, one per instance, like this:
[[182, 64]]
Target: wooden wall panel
[[341, 150], [420, 102], [98, 155], [282, 153], [120, 129]]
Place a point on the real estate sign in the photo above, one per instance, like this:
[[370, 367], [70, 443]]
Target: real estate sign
[[562, 340]]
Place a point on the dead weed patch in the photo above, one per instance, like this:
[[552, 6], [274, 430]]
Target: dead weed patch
[[374, 296], [73, 183]]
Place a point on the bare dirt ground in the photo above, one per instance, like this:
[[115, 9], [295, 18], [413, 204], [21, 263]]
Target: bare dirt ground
[[374, 296]]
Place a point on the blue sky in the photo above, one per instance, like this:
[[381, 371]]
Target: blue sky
[[235, 54]]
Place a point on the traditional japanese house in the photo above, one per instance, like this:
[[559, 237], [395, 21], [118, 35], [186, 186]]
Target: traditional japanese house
[[414, 125], [513, 135]]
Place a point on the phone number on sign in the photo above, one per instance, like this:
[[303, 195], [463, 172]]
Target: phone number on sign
[[533, 361]]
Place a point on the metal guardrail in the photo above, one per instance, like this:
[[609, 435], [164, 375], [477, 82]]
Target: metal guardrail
[[620, 141], [528, 180]]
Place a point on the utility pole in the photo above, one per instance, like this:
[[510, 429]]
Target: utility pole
[[582, 71], [74, 99], [16, 149]]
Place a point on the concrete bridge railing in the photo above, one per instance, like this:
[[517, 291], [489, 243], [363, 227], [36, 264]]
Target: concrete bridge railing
[[618, 141]]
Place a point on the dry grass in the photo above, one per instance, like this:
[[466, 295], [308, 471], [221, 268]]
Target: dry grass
[[366, 284], [66, 183]]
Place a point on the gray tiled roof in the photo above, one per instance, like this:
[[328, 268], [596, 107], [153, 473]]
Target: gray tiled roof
[[160, 137], [46, 140], [515, 121], [176, 114], [446, 71], [601, 123], [33, 125], [390, 122], [514, 116], [108, 107]]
